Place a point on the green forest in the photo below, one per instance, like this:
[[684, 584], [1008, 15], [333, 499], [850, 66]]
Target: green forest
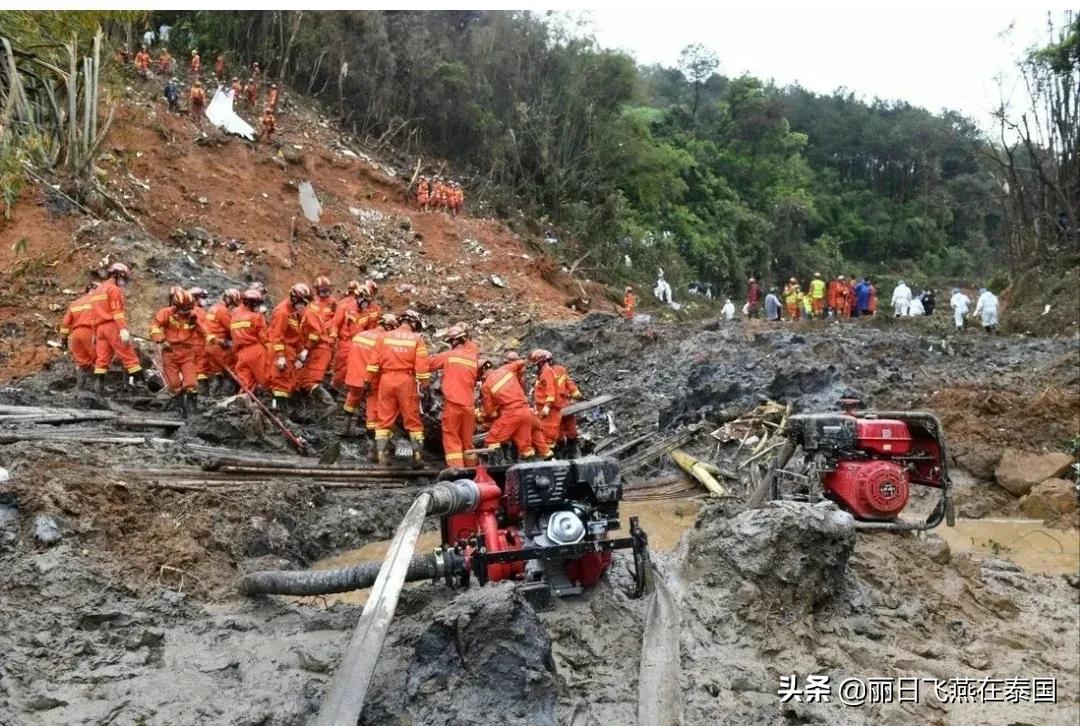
[[711, 177]]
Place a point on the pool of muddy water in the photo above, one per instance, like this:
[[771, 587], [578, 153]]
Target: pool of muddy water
[[664, 521], [1027, 542]]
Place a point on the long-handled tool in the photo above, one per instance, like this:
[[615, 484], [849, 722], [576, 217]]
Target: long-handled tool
[[295, 439]]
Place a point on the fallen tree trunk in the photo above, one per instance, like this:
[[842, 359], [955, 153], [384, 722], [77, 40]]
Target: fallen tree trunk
[[332, 472]]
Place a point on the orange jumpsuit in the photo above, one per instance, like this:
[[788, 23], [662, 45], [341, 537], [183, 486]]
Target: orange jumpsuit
[[850, 303], [142, 61], [401, 360], [503, 399], [628, 305], [165, 63], [422, 194], [198, 103], [271, 99], [196, 64], [237, 91], [180, 360], [343, 327], [284, 340], [110, 317], [216, 323], [567, 391], [459, 366], [316, 336], [247, 329], [833, 297], [78, 328], [219, 67], [362, 355], [545, 393], [252, 93]]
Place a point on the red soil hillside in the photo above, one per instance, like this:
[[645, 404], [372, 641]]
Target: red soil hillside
[[226, 207]]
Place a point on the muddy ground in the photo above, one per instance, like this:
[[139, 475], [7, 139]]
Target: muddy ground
[[131, 616]]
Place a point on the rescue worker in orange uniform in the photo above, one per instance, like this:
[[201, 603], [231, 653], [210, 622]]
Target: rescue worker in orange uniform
[[835, 295], [165, 62], [460, 366], [456, 198], [285, 342], [77, 335], [267, 125], [629, 301], [237, 91], [401, 362], [344, 325], [111, 336], [360, 383], [272, 98], [850, 296], [142, 62], [545, 396], [247, 331], [423, 193], [317, 344], [792, 295], [503, 403], [218, 356], [370, 305], [251, 92], [177, 330], [568, 392], [197, 99], [201, 296], [219, 68], [196, 63]]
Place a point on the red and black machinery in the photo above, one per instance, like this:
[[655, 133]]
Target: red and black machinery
[[866, 462], [546, 524]]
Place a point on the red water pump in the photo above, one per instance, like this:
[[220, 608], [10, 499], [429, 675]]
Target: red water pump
[[867, 463], [546, 524]]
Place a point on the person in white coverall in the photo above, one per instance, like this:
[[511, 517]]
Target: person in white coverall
[[986, 307], [901, 299], [728, 311], [959, 303], [915, 309]]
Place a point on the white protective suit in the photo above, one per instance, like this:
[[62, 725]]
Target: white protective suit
[[728, 311], [987, 308], [901, 299], [916, 308], [960, 304]]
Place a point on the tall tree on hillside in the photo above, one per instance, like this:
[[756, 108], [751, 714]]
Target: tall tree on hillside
[[698, 64], [1039, 152]]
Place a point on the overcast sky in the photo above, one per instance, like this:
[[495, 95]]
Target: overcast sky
[[934, 55]]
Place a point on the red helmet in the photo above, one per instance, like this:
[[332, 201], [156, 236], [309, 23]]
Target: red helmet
[[413, 318], [119, 269], [231, 296], [252, 295], [300, 292], [539, 356], [322, 285], [388, 321], [181, 298]]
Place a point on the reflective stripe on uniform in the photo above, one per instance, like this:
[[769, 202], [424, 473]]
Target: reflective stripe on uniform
[[399, 342], [239, 324], [462, 361], [507, 377]]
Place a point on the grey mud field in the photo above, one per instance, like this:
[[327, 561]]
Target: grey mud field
[[118, 603]]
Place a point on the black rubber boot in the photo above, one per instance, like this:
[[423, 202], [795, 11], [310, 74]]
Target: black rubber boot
[[192, 402], [204, 386], [382, 452], [214, 389], [324, 399], [99, 383], [181, 404]]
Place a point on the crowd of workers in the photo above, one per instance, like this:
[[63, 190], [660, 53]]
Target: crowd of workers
[[314, 342], [438, 194], [244, 95]]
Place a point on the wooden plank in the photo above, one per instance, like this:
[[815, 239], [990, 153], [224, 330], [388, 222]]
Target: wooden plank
[[575, 408]]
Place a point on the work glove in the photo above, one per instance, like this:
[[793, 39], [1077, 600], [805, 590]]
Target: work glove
[[577, 395], [479, 416], [302, 358], [545, 411], [281, 363], [125, 336]]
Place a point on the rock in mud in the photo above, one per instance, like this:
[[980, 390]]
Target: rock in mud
[[47, 529], [9, 524], [1019, 471], [796, 554], [485, 653], [978, 459], [1050, 499]]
